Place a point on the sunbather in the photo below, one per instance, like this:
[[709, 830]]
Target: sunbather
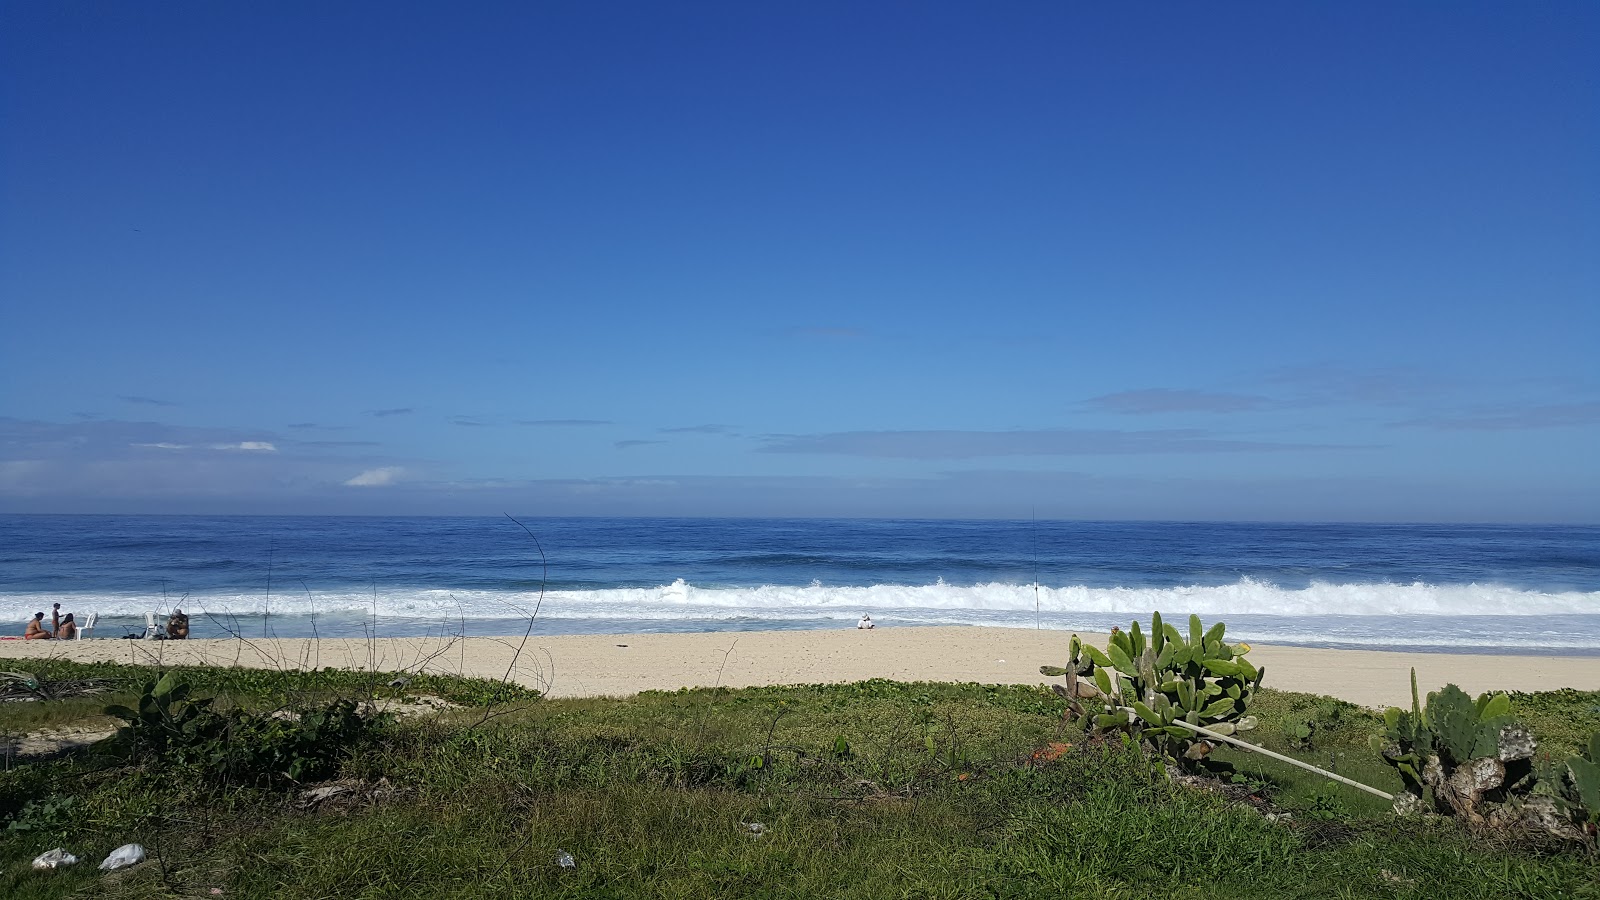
[[177, 626], [36, 630]]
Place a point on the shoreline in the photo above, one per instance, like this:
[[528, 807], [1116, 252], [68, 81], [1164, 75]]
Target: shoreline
[[597, 665]]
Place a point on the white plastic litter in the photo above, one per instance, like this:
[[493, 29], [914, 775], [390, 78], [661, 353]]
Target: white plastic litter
[[53, 859], [124, 856], [565, 860], [756, 829]]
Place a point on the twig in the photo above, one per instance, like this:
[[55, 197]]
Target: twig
[[527, 633], [705, 710], [316, 639], [272, 659], [766, 752], [544, 578], [266, 609]]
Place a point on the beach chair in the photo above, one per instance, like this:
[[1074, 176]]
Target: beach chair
[[87, 626], [152, 631]]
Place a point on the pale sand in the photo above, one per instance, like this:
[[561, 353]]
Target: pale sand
[[623, 664]]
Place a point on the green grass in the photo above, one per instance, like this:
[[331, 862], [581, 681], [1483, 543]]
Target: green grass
[[120, 683], [1563, 720], [869, 790]]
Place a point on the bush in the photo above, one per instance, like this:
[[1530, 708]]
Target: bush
[[171, 731]]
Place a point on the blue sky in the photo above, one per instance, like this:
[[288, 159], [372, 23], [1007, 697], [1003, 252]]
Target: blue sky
[[1256, 261]]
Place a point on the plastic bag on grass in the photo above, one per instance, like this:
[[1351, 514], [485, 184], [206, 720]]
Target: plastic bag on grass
[[124, 856], [53, 859]]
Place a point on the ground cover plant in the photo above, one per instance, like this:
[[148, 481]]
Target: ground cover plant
[[874, 789]]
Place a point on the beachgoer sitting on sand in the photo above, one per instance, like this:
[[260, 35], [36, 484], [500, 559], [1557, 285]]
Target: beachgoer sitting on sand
[[36, 630], [177, 626], [68, 629], [866, 622]]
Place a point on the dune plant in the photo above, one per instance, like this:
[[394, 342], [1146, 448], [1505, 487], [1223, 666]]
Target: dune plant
[[1163, 678], [169, 730], [1458, 748], [167, 720]]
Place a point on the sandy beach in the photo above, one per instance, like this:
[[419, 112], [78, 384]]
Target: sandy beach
[[624, 664]]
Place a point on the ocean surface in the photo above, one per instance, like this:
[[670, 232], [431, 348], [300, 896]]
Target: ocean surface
[[1448, 588]]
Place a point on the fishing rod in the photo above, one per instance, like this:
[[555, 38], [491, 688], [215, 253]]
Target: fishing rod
[[1033, 541]]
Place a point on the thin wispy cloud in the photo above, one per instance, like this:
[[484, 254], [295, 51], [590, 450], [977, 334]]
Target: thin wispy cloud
[[245, 446], [1151, 401], [379, 477], [624, 445], [468, 421], [144, 401], [695, 429], [1555, 415], [105, 464], [1055, 442], [109, 437], [386, 413], [564, 423], [337, 444]]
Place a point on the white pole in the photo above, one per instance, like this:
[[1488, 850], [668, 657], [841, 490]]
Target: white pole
[[1212, 735]]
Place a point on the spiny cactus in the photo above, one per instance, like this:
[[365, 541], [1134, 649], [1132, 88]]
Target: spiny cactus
[[1573, 785], [1459, 747], [1163, 677], [1585, 772], [1407, 741]]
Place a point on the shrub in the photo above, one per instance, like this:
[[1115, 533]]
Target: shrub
[[171, 731]]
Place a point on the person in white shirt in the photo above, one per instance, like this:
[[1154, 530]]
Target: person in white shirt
[[866, 622]]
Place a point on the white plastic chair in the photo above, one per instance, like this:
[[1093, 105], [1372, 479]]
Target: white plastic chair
[[151, 629], [87, 626]]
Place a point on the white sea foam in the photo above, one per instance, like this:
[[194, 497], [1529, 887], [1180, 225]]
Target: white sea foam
[[681, 600]]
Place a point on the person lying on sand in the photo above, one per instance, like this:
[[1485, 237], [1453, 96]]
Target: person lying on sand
[[68, 629], [36, 630], [177, 626]]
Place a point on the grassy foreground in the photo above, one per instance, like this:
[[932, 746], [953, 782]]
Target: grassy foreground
[[869, 790]]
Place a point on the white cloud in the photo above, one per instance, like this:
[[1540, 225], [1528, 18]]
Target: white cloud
[[253, 446], [163, 445], [376, 477]]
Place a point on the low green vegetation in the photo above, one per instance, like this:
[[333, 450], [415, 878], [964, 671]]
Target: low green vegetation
[[868, 790]]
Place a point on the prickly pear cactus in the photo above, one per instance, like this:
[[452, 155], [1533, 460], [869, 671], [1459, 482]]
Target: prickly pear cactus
[[1575, 787], [1468, 730], [1164, 676], [1458, 747]]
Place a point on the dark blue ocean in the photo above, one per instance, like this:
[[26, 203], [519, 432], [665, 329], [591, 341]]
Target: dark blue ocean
[[1520, 589]]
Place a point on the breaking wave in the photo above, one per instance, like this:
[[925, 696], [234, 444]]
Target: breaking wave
[[680, 599]]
